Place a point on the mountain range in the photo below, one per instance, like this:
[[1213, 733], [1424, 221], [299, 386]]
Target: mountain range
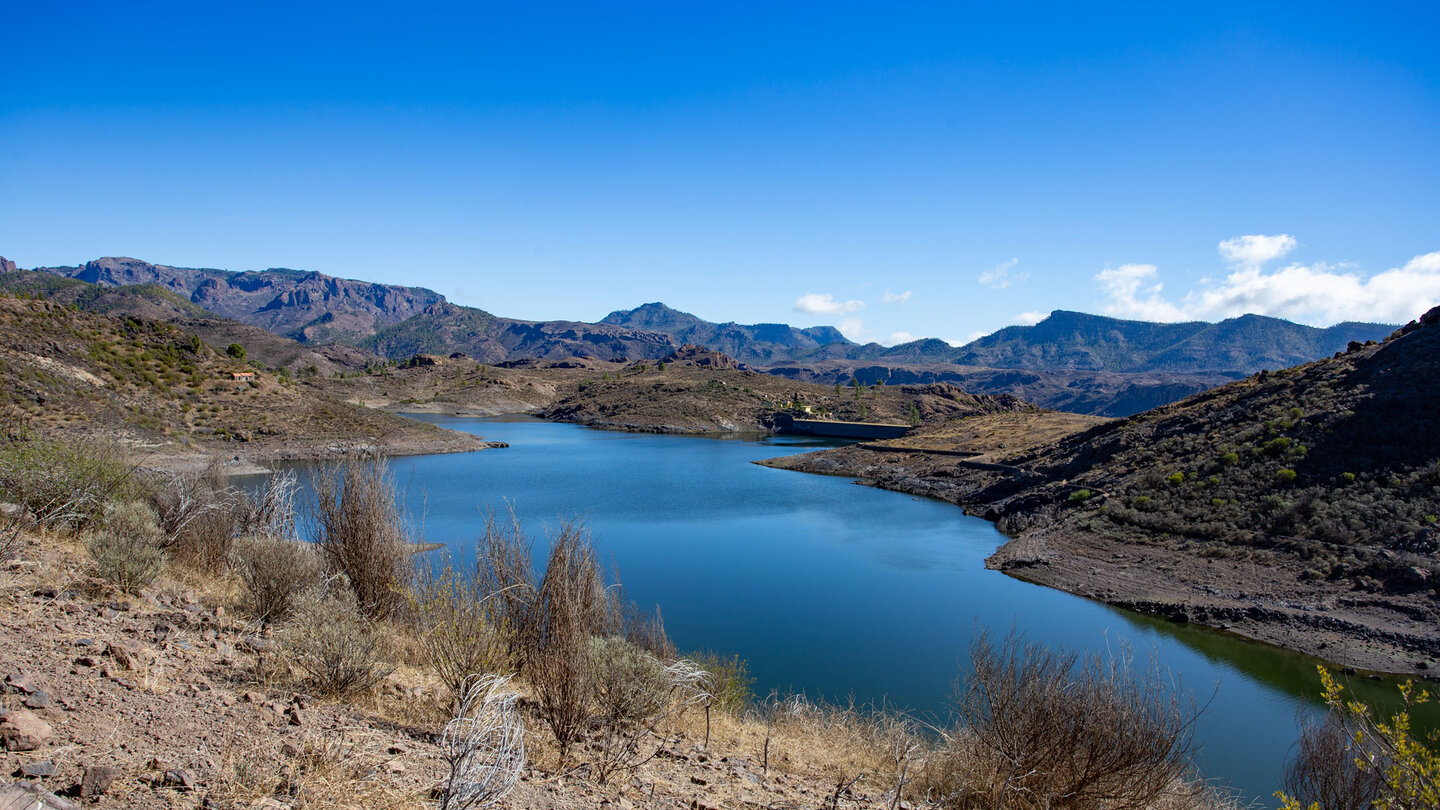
[[1070, 360]]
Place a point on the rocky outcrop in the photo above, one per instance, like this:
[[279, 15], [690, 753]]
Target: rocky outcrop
[[309, 306], [700, 357]]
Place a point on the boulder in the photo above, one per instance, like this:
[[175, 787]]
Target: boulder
[[38, 770], [21, 730], [97, 779]]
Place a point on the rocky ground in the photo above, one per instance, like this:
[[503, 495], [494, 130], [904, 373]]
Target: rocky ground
[[169, 699]]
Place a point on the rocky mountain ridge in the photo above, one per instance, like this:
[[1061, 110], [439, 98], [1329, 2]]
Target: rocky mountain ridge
[[1070, 360]]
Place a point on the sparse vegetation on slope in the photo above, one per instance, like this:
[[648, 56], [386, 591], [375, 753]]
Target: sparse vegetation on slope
[[150, 383]]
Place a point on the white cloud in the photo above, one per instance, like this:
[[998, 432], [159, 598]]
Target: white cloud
[[896, 338], [999, 277], [853, 329], [1133, 296], [895, 298], [1318, 294], [974, 336], [1256, 249], [1029, 318], [825, 304]]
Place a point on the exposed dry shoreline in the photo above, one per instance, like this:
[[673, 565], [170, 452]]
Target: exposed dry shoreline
[[1324, 620], [250, 458]]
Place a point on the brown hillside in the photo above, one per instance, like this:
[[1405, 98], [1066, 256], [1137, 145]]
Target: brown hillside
[[164, 389]]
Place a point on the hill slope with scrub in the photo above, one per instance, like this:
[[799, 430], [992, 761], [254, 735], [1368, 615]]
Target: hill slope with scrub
[[150, 384], [1298, 506]]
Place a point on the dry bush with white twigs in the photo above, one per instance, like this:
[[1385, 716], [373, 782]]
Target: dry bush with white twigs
[[484, 745]]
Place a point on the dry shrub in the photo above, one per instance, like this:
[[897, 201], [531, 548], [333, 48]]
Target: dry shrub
[[484, 745], [277, 573], [126, 549], [271, 509], [199, 515], [505, 578], [644, 629], [1322, 768], [274, 566], [10, 542], [458, 636], [341, 651], [1041, 728], [571, 606], [362, 533]]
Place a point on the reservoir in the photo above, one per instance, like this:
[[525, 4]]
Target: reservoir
[[831, 588]]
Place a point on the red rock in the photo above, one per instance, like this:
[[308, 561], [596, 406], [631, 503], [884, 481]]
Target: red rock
[[97, 779], [22, 731]]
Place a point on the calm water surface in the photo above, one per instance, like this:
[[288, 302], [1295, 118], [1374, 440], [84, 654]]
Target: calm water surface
[[825, 586]]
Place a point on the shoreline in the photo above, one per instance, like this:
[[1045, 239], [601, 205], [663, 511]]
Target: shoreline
[[1348, 630], [1343, 629], [247, 458]]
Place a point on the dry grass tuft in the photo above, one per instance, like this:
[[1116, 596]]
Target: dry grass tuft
[[339, 771]]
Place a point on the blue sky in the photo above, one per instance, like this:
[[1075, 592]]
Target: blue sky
[[906, 170]]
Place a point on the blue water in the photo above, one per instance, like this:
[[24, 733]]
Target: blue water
[[828, 587]]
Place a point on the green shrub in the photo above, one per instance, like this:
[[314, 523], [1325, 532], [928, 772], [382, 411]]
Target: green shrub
[[1275, 447], [1079, 496], [64, 482], [126, 550], [1175, 478], [1356, 758], [1285, 476], [630, 685], [236, 351], [457, 634], [1230, 458], [341, 651], [730, 683], [1348, 477]]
